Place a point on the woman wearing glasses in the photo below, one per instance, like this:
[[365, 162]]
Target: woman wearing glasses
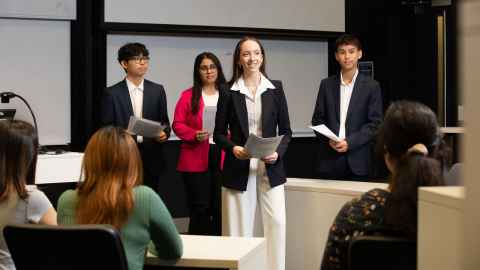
[[199, 160], [253, 104]]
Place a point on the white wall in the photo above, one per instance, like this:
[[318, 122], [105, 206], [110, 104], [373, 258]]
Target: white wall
[[470, 84]]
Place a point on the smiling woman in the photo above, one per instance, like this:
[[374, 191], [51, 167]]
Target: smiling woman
[[253, 104]]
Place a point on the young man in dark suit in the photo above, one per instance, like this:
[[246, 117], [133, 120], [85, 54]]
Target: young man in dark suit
[[142, 98], [349, 104]]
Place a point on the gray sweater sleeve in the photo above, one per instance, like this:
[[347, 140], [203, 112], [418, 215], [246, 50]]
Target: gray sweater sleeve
[[37, 205]]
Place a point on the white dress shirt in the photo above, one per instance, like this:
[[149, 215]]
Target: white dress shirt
[[346, 90], [136, 98], [254, 103], [210, 101]]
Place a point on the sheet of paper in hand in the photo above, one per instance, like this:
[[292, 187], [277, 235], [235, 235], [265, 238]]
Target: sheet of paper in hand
[[325, 131], [259, 147], [208, 123], [144, 127]]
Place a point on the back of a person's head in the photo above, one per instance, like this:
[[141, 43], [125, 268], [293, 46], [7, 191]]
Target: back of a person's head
[[111, 169], [412, 145], [18, 157]]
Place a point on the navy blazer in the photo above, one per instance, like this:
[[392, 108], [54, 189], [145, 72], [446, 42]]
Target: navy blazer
[[231, 129], [117, 109], [364, 115]]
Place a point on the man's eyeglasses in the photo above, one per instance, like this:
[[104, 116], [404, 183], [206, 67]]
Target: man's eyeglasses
[[207, 68], [140, 59]]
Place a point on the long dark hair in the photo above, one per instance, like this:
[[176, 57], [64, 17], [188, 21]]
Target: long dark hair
[[197, 81], [237, 67], [18, 157], [408, 128]]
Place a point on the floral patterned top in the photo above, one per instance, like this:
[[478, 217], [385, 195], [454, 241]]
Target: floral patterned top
[[361, 216]]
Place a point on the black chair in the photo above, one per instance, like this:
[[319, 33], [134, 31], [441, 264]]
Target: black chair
[[382, 253], [65, 247]]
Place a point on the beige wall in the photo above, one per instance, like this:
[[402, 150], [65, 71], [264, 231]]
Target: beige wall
[[469, 74]]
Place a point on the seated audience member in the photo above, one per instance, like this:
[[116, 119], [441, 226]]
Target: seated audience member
[[413, 152], [110, 193], [19, 203]]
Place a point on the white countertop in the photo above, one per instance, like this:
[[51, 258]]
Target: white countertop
[[332, 186], [450, 196], [214, 251], [61, 168], [452, 130]]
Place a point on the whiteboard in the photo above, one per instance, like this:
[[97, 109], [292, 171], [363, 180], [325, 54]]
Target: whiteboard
[[299, 64], [36, 65], [38, 9], [315, 15]]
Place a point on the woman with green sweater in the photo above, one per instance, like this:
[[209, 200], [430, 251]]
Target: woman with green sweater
[[110, 193]]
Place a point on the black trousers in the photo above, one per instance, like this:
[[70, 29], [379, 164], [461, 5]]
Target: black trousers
[[342, 171], [203, 190], [151, 174]]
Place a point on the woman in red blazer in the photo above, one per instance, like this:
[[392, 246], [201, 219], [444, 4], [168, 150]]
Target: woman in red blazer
[[199, 160]]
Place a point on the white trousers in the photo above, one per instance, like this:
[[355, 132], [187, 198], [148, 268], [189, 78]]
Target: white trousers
[[242, 217]]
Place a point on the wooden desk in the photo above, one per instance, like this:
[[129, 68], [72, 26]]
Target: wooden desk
[[440, 228], [312, 205], [218, 252]]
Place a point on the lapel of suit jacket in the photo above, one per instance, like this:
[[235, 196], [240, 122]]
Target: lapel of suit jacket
[[267, 105], [147, 98], [357, 88], [336, 97], [125, 99], [241, 110]]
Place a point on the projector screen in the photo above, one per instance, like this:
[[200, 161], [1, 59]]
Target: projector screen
[[34, 9], [299, 64], [314, 15], [36, 66]]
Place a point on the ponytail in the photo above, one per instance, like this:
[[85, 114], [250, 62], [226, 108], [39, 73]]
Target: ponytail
[[416, 168]]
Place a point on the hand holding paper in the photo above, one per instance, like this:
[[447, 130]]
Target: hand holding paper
[[325, 131], [208, 122], [259, 147], [145, 127]]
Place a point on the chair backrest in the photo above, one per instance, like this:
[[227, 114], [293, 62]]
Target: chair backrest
[[65, 247], [379, 252], [454, 177]]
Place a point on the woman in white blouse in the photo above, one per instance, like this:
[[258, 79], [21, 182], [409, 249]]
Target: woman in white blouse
[[253, 104]]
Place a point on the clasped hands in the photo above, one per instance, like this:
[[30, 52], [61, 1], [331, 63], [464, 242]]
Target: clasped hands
[[201, 135], [241, 153], [340, 147]]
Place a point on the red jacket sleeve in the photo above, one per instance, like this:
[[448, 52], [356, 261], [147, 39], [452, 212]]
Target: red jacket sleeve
[[180, 124]]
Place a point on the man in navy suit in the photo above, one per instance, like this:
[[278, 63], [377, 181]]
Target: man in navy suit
[[142, 98], [349, 104]]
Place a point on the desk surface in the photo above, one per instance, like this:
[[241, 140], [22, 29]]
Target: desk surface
[[452, 130], [332, 186], [214, 251], [450, 196], [62, 168]]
